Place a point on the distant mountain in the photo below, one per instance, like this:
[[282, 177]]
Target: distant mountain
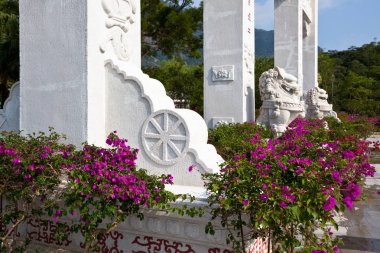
[[264, 43], [264, 48]]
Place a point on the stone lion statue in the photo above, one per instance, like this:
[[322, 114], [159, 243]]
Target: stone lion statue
[[317, 105], [280, 93]]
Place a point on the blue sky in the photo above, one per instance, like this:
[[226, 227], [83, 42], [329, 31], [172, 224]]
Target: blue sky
[[342, 23]]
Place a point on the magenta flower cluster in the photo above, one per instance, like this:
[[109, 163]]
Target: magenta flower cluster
[[110, 174], [94, 183], [301, 177]]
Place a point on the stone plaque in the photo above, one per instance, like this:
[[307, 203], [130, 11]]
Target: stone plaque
[[221, 120], [222, 73]]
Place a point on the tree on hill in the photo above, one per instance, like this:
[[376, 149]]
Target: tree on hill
[[169, 28], [182, 81], [352, 78]]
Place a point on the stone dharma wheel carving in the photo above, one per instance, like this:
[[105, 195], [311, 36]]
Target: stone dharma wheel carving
[[165, 137]]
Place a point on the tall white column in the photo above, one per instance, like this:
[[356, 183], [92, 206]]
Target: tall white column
[[296, 40], [288, 37], [229, 51], [63, 43], [310, 44]]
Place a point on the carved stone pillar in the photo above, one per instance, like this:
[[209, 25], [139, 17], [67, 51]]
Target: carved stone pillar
[[229, 61]]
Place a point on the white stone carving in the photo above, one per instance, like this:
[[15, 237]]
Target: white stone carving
[[121, 15], [165, 137], [317, 105], [169, 139], [306, 23], [10, 114], [249, 61], [228, 45], [173, 227], [222, 73], [216, 121], [296, 40], [155, 225], [136, 222], [192, 230], [280, 94]]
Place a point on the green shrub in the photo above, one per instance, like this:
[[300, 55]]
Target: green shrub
[[232, 139]]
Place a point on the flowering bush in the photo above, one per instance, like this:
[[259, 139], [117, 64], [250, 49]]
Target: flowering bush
[[30, 171], [106, 183], [287, 188], [40, 176], [360, 125]]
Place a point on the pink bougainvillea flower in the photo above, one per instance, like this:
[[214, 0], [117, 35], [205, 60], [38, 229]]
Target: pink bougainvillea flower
[[348, 201], [282, 204], [329, 204]]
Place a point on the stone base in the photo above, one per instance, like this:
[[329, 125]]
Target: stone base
[[158, 232], [278, 115]]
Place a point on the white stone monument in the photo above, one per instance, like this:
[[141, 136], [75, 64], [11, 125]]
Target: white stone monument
[[229, 51], [296, 40], [81, 74]]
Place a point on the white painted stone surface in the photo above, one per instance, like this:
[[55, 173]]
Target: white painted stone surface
[[54, 72], [228, 61], [296, 40], [169, 139], [81, 74], [10, 114], [157, 232]]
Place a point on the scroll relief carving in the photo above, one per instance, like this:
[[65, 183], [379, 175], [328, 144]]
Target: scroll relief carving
[[121, 15], [280, 93], [306, 25], [222, 73], [249, 62]]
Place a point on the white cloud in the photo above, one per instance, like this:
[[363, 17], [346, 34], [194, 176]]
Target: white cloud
[[264, 12]]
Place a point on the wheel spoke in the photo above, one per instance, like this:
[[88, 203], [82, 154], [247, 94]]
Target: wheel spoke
[[174, 148], [166, 122], [156, 125], [156, 147], [178, 137], [165, 151], [152, 136], [174, 127]]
